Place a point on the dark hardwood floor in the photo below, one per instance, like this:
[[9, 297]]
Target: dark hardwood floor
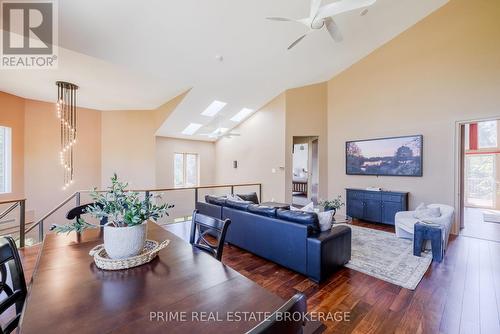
[[459, 295]]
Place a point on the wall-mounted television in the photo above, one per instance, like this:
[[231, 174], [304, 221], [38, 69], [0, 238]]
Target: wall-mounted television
[[395, 156]]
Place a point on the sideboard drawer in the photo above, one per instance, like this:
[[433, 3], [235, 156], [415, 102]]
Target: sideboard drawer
[[392, 198], [355, 194], [373, 195]]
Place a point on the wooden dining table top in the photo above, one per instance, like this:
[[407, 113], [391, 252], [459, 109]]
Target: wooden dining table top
[[183, 290]]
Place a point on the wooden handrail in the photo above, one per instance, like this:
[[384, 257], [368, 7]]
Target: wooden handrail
[[52, 212], [184, 188], [12, 201]]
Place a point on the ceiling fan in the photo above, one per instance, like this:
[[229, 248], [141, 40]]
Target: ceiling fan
[[220, 132], [322, 16]]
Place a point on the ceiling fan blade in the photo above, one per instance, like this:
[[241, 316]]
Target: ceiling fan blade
[[343, 6], [281, 19], [333, 30], [296, 41], [315, 4]]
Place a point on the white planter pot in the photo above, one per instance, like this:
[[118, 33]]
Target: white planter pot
[[124, 242]]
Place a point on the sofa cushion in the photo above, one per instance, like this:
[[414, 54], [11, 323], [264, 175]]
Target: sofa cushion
[[238, 205], [252, 197], [262, 210], [300, 217], [216, 200]]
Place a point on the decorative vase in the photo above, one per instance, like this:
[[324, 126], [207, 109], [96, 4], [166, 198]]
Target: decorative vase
[[124, 242]]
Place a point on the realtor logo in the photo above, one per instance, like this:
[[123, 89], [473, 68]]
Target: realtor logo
[[29, 34]]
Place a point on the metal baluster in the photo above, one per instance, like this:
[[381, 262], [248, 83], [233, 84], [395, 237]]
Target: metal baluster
[[40, 231], [22, 223]]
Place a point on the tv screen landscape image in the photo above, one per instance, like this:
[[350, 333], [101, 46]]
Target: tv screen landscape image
[[396, 156]]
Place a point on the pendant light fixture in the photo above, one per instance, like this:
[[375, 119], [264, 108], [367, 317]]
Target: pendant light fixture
[[66, 112]]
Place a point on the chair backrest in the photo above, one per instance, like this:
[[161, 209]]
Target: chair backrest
[[204, 226], [76, 212], [288, 319], [12, 282]]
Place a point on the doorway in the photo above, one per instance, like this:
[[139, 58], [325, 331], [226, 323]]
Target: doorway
[[305, 170], [480, 179]]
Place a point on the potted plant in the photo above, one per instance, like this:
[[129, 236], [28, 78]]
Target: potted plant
[[126, 214], [334, 204]]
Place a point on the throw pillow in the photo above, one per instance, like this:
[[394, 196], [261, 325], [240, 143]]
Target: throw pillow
[[428, 213], [325, 220], [308, 208], [234, 197]]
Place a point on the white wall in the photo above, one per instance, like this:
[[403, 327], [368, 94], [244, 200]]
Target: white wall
[[260, 152], [165, 149]]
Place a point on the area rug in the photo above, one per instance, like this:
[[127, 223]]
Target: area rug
[[384, 256]]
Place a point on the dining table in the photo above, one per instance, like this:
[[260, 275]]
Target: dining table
[[182, 290]]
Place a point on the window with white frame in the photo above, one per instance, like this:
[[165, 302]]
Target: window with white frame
[[185, 169], [487, 134], [5, 160]]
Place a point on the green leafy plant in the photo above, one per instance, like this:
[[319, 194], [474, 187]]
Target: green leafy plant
[[121, 207], [333, 204]]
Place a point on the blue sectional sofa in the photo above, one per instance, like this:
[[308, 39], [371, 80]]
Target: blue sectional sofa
[[289, 238]]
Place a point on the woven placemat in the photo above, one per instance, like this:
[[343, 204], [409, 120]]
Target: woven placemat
[[150, 251]]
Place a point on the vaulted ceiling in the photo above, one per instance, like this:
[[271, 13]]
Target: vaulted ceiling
[[139, 54]]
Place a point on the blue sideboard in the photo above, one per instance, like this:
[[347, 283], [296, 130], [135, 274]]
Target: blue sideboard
[[375, 206]]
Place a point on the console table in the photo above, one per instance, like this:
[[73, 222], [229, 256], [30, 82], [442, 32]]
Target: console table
[[375, 206]]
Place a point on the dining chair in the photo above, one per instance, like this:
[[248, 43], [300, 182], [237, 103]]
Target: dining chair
[[12, 283], [288, 319], [204, 226], [78, 211]]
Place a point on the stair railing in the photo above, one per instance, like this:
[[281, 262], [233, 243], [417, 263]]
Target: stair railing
[[77, 197], [21, 203]]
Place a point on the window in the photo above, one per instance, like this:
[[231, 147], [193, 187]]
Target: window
[[185, 170], [5, 160], [487, 134]]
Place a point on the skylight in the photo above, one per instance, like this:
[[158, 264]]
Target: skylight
[[214, 108], [244, 113], [191, 129]]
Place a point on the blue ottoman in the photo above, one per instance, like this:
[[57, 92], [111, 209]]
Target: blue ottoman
[[432, 232]]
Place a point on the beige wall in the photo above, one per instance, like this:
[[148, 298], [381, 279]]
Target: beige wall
[[12, 115], [260, 151], [444, 69], [128, 144], [306, 115], [43, 174], [165, 149], [128, 147]]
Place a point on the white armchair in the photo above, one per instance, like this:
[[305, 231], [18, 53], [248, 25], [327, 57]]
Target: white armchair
[[405, 222]]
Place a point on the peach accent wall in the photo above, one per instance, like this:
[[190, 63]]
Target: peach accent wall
[[260, 151], [43, 174], [444, 69], [12, 115]]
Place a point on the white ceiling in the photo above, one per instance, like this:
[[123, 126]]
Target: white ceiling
[[139, 54]]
